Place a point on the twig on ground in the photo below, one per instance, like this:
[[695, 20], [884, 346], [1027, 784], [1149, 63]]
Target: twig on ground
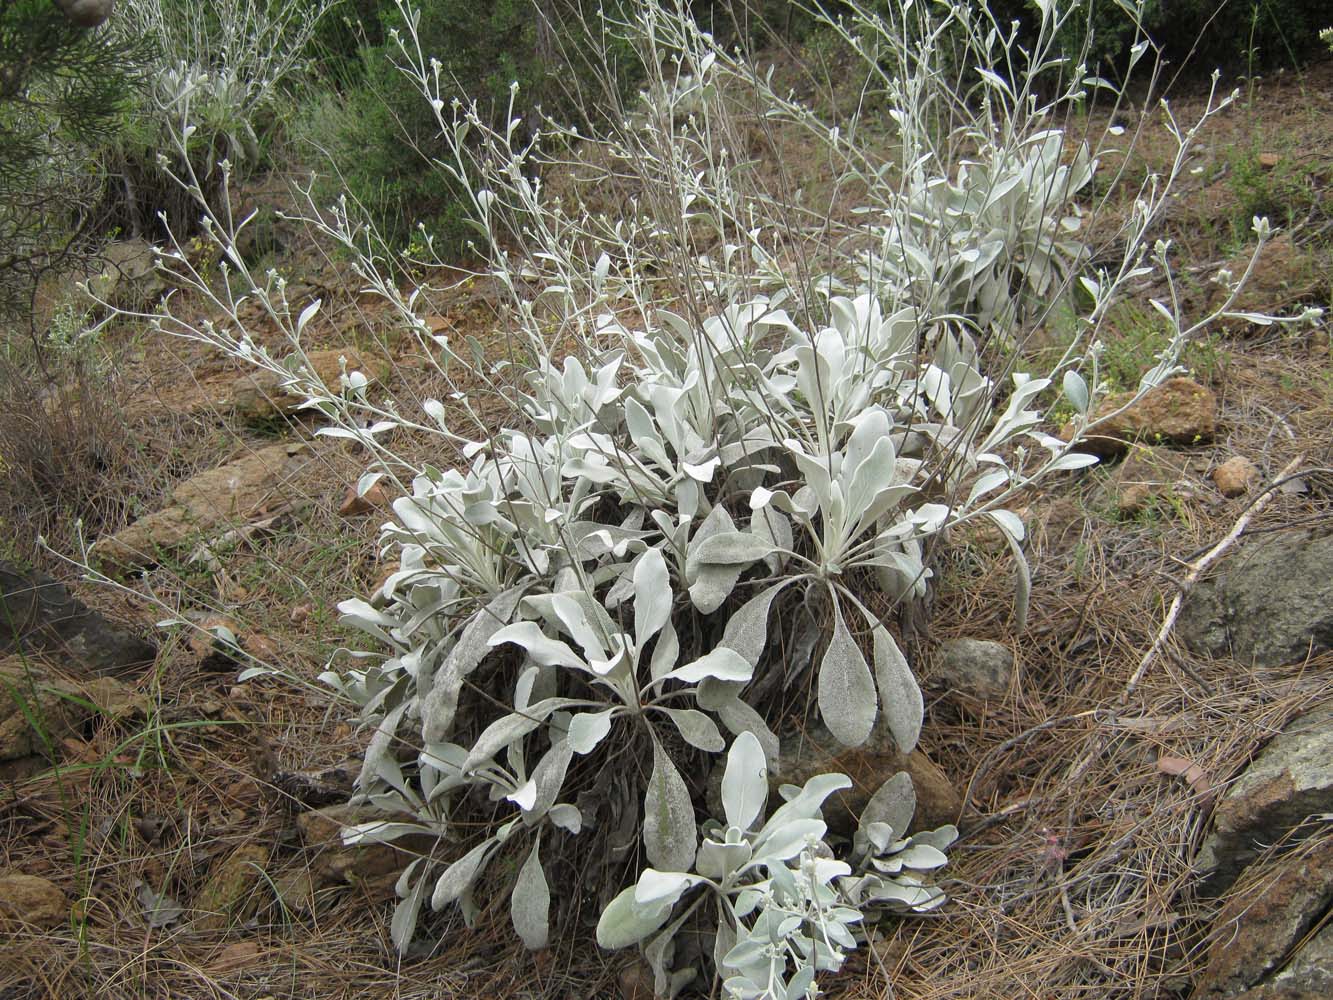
[[1197, 569]]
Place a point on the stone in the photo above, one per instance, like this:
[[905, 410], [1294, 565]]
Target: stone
[[1308, 976], [202, 506], [1145, 475], [259, 395], [1177, 412], [1285, 275], [231, 887], [979, 668], [129, 278], [353, 504], [296, 891], [86, 13], [877, 760], [1263, 924], [236, 956], [37, 613], [1289, 781], [31, 689], [266, 234], [29, 901], [636, 981], [1235, 476], [313, 789], [1267, 604], [332, 862], [215, 644]]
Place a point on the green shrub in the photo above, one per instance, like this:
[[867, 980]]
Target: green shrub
[[1236, 36], [380, 137], [62, 91]]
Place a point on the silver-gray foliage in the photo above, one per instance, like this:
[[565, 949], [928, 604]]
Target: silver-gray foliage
[[730, 447]]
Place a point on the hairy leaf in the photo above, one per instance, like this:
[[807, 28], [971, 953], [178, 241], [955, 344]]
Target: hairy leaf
[[722, 663], [530, 903], [894, 803], [669, 834], [509, 728], [652, 596], [747, 628], [405, 914], [745, 782], [713, 585], [460, 875], [623, 923], [441, 702], [697, 729], [899, 693], [730, 548], [588, 729], [549, 778], [847, 701]]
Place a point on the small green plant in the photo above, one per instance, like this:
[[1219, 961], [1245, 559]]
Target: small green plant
[[1283, 191], [63, 88]]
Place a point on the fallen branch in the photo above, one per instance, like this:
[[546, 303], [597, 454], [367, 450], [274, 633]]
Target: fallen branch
[[1199, 567]]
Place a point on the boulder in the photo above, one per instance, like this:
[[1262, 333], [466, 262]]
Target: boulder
[[1268, 604], [296, 891], [39, 707], [1177, 412], [1285, 276], [978, 668], [230, 889], [1235, 476], [816, 751], [129, 278], [354, 504], [29, 901], [1308, 976], [202, 506], [332, 862], [324, 787], [1257, 945], [38, 614], [1290, 781], [259, 395]]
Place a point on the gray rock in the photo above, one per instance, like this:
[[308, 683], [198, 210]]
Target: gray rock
[[38, 614], [233, 887], [27, 902], [1290, 781], [1308, 976], [977, 667], [204, 506], [259, 395], [1269, 604], [331, 862], [1257, 947]]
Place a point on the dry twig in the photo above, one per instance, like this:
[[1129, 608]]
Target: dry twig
[[1197, 569]]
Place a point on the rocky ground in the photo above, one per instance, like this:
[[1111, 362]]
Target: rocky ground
[[1143, 776]]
